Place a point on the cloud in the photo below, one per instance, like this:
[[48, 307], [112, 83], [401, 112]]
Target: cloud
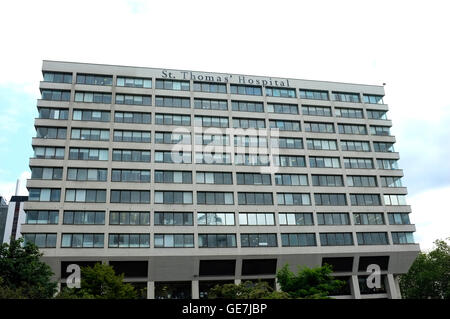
[[431, 215]]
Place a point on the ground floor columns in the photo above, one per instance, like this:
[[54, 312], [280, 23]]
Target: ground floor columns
[[150, 290], [392, 287], [354, 287], [195, 290]]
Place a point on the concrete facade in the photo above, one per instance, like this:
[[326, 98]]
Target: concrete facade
[[183, 264]]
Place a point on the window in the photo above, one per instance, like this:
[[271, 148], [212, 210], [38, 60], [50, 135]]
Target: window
[[361, 181], [373, 99], [174, 240], [213, 158], [245, 106], [316, 144], [173, 219], [280, 92], [130, 196], [86, 195], [327, 180], [253, 179], [215, 198], [346, 97], [289, 161], [209, 139], [365, 163], [387, 163], [93, 97], [355, 146], [352, 129], [394, 200], [283, 125], [173, 119], [313, 94], [383, 147], [314, 110], [169, 197], [248, 123], [399, 238], [372, 238], [54, 173], [128, 175], [134, 82], [336, 239], [173, 157], [330, 199], [42, 217], [133, 117], [48, 152], [84, 217], [94, 79], [44, 194], [172, 85], [130, 156], [133, 99], [92, 154], [287, 142], [208, 104], [132, 136], [223, 178], [318, 127], [41, 240], [210, 87], [211, 121], [333, 219], [172, 138], [380, 130], [171, 101], [368, 218], [290, 199], [259, 240], [298, 239], [299, 219], [256, 219], [89, 134], [291, 179], [53, 114], [88, 115], [215, 219], [129, 241], [377, 114], [57, 77], [178, 177], [216, 240], [255, 198], [245, 89], [129, 218], [82, 240], [365, 199], [282, 108], [391, 181], [87, 174], [250, 141], [251, 159], [322, 162], [55, 95], [349, 113], [399, 219]]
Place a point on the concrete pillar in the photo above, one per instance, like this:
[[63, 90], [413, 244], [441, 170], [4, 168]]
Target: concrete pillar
[[277, 285], [237, 281], [397, 286], [391, 287], [195, 290], [354, 287], [150, 290]]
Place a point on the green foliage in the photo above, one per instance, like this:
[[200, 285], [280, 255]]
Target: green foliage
[[429, 275], [100, 282], [245, 290], [22, 273], [308, 283]]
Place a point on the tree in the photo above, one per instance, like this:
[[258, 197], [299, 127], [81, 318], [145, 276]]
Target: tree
[[309, 283], [22, 273], [429, 275], [245, 290], [100, 282]]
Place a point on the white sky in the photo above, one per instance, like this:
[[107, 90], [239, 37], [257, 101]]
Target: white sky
[[402, 43]]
